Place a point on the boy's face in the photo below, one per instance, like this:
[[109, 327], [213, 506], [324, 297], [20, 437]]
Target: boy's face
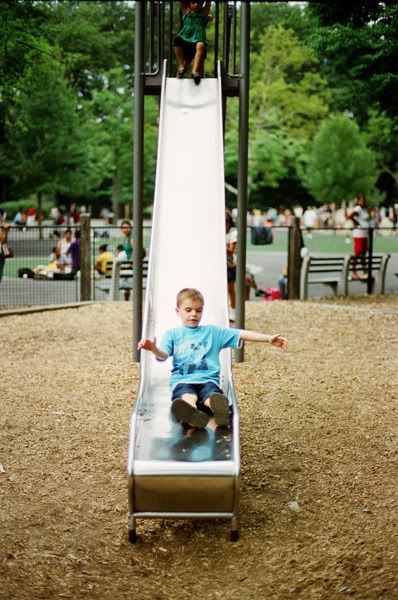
[[190, 312]]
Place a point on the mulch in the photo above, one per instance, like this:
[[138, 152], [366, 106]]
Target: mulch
[[319, 503]]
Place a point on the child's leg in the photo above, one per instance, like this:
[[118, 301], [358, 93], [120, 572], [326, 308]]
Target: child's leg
[[184, 409], [198, 63], [219, 405], [179, 52]]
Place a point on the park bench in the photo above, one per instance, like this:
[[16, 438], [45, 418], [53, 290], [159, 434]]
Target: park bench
[[327, 270], [336, 272], [118, 277]]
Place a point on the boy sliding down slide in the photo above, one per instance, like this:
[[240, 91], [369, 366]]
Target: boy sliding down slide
[[195, 377]]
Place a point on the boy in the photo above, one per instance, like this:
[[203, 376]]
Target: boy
[[195, 377]]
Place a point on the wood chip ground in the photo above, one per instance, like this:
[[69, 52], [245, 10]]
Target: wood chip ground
[[319, 435]]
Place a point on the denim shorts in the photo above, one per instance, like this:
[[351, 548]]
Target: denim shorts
[[201, 390]]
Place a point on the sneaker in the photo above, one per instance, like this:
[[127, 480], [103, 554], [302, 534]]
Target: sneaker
[[186, 413], [232, 314], [220, 407]]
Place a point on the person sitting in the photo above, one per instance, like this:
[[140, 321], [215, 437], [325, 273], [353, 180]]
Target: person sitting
[[58, 265], [104, 257], [195, 379]]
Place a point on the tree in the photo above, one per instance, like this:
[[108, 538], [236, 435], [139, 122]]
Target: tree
[[49, 153], [357, 45], [340, 165], [381, 136], [20, 41], [94, 37], [288, 100]]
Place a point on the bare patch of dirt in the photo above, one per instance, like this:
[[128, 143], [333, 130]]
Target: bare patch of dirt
[[319, 507]]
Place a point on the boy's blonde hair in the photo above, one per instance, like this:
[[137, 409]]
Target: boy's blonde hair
[[191, 293]]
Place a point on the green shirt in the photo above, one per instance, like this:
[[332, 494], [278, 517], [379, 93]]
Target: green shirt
[[194, 28]]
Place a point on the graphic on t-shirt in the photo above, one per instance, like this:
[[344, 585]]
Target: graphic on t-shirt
[[194, 358]]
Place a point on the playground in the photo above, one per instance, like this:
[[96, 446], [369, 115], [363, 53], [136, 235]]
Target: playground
[[318, 510]]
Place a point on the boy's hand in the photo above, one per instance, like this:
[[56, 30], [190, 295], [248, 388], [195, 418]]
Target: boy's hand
[[146, 344], [280, 341]]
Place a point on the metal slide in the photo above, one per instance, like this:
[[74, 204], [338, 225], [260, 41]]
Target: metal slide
[[171, 475]]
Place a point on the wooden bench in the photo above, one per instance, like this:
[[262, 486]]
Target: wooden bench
[[119, 276], [328, 270], [336, 272]]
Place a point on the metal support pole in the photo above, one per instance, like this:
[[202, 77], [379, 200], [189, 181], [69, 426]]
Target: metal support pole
[[243, 169], [294, 260], [85, 258], [370, 259], [138, 187]]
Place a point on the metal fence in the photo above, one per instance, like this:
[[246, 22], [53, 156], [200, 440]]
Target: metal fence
[[26, 282], [30, 280]]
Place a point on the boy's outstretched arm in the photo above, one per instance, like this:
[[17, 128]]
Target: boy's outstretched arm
[[147, 344], [254, 336]]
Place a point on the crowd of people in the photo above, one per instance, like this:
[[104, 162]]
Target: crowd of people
[[327, 216]]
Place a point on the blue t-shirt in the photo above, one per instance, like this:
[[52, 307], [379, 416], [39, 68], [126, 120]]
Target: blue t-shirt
[[195, 352]]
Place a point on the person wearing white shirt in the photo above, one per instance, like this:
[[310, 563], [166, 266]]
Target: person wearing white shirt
[[360, 217]]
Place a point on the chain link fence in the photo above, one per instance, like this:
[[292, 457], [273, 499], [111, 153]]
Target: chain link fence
[[30, 280]]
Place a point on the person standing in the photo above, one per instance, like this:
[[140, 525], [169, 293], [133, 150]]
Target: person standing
[[127, 231], [74, 252], [360, 217], [4, 229], [191, 43], [231, 238]]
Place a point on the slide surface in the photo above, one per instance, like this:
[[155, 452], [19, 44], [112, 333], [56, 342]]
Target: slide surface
[[187, 250]]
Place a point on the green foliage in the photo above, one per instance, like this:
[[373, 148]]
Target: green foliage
[[284, 74], [66, 85], [95, 37], [48, 150], [381, 135], [14, 206], [288, 101], [359, 60], [339, 164], [288, 16]]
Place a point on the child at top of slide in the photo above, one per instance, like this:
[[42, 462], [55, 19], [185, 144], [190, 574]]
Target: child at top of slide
[[191, 43]]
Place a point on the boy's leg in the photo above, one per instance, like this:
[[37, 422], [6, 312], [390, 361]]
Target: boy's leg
[[184, 409], [219, 405]]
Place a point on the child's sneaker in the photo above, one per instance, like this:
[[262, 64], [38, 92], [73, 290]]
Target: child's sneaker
[[220, 407], [186, 413]]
